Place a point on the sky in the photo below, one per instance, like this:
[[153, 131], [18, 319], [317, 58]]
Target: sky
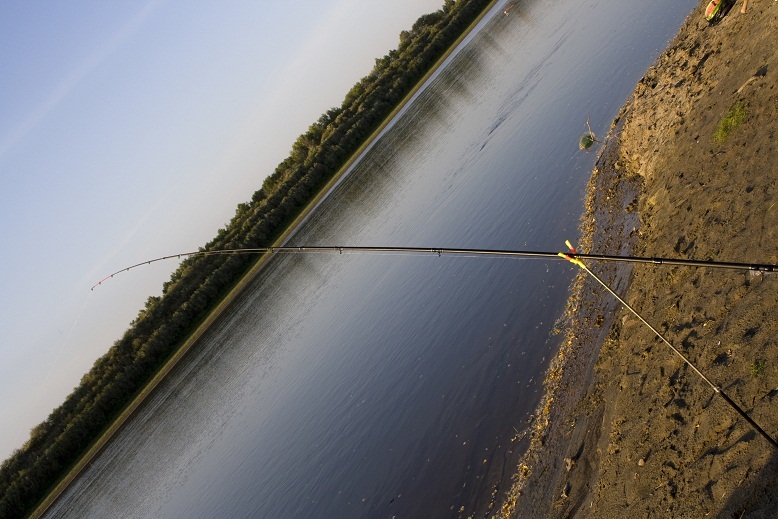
[[131, 130]]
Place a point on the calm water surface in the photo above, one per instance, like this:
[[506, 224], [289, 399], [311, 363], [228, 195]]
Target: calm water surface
[[389, 385]]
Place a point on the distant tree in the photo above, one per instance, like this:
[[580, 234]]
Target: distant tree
[[200, 282]]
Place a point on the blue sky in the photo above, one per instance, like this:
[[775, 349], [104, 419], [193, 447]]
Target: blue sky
[[131, 130]]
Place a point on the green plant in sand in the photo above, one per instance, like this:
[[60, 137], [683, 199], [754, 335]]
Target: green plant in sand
[[735, 116], [758, 367]]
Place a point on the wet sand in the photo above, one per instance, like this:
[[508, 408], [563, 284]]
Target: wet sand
[[626, 429]]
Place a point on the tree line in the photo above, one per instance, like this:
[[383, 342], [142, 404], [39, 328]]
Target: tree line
[[200, 282]]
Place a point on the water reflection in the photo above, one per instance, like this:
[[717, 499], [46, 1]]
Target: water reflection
[[358, 386]]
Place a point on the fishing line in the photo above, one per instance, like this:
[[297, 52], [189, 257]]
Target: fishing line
[[759, 267], [716, 389], [573, 256], [61, 349]]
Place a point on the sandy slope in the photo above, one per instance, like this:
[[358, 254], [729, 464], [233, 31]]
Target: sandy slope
[[626, 429]]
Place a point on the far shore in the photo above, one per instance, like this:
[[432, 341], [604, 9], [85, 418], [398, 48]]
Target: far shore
[[217, 312]]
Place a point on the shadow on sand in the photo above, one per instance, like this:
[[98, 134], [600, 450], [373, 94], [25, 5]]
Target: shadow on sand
[[757, 497]]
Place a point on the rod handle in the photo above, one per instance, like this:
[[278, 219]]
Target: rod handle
[[742, 413]]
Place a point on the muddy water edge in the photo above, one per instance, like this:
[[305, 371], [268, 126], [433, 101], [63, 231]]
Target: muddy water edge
[[626, 430]]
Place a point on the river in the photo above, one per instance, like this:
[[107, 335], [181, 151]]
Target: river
[[389, 385]]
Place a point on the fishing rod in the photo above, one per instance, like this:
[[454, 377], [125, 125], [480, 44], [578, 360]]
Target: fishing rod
[[758, 267], [572, 256], [575, 259]]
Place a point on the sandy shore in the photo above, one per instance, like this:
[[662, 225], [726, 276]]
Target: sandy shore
[[626, 429]]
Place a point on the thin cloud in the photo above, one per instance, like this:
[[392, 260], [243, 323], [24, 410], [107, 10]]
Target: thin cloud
[[75, 77]]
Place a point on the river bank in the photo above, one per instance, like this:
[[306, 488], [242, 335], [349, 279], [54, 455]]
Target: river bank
[[625, 429]]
